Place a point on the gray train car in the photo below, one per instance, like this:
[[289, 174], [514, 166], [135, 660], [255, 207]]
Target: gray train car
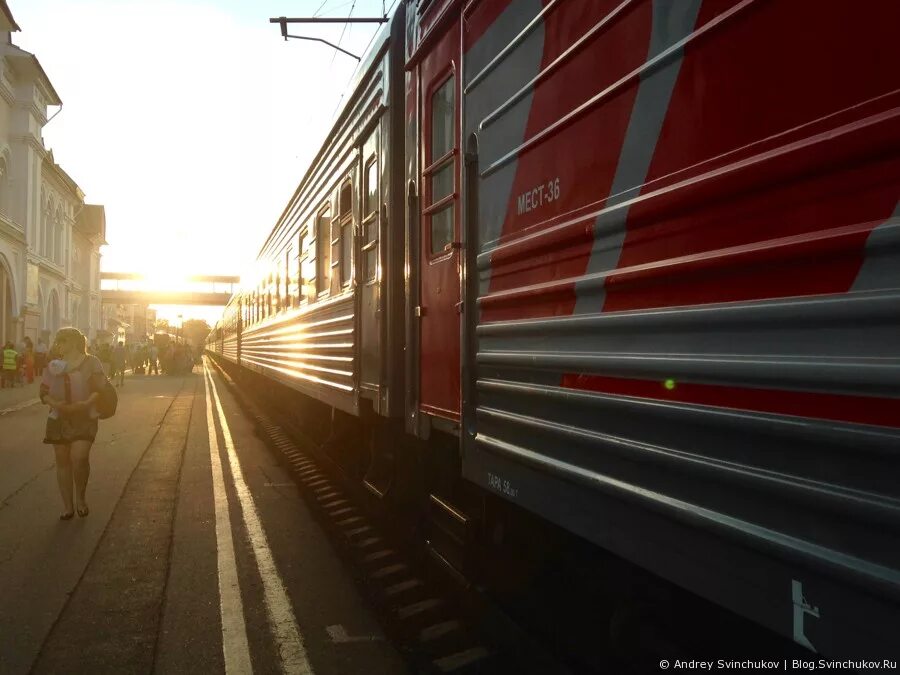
[[323, 313]]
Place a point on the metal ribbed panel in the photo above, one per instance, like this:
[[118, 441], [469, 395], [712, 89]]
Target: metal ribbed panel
[[691, 360], [789, 473], [230, 348], [312, 350]]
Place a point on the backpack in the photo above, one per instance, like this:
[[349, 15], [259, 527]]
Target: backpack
[[108, 399]]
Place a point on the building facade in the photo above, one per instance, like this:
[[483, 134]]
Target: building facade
[[127, 323], [49, 237]]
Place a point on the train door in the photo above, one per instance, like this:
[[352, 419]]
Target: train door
[[369, 270], [439, 261]]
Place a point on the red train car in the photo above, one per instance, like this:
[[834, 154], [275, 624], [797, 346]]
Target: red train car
[[636, 264]]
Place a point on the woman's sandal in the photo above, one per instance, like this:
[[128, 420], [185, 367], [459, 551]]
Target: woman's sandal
[[82, 511], [67, 516]]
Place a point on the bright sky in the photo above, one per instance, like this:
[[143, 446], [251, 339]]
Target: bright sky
[[191, 121]]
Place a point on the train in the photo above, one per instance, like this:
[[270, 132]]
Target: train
[[631, 267]]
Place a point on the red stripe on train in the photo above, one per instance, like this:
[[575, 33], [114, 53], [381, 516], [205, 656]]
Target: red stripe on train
[[835, 407]]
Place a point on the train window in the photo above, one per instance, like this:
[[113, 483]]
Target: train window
[[274, 280], [259, 303], [442, 166], [301, 265], [345, 234], [323, 251], [274, 285], [284, 287], [335, 254], [371, 186], [345, 200], [292, 287], [443, 136], [370, 218], [307, 266], [346, 252]]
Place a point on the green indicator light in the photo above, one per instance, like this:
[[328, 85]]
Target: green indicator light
[[669, 384]]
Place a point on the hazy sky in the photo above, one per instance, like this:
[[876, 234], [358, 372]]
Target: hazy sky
[[191, 121]]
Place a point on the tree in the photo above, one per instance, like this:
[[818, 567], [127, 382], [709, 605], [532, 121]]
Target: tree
[[162, 326], [195, 331]]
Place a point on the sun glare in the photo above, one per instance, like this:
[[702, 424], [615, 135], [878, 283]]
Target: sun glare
[[162, 280]]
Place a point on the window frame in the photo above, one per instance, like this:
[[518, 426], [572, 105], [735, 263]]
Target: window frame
[[344, 232], [298, 261], [306, 260], [288, 302], [449, 158], [323, 244], [370, 233]]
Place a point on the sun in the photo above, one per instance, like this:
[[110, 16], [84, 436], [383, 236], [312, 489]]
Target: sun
[[161, 280]]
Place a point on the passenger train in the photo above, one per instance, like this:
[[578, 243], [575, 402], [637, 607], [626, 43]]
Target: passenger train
[[632, 266]]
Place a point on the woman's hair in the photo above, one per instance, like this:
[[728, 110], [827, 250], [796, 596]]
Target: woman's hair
[[75, 336]]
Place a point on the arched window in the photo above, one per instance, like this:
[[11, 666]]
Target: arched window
[[4, 185], [42, 224], [48, 238], [45, 228], [57, 236]]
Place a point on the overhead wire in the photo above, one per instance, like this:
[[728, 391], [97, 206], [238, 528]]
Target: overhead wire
[[343, 30], [364, 51], [316, 13]]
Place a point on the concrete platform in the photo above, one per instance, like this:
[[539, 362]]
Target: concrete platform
[[137, 586]]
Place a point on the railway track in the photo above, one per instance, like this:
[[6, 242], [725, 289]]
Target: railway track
[[555, 604], [439, 620]]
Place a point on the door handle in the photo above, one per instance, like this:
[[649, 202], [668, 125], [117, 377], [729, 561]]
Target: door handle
[[449, 246]]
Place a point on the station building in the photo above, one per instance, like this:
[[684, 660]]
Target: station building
[[49, 237]]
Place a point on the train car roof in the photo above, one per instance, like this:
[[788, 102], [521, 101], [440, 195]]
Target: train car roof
[[367, 64]]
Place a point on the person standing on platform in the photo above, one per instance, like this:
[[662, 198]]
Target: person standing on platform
[[20, 363], [40, 357], [105, 357], [29, 361], [10, 365], [69, 386], [119, 358]]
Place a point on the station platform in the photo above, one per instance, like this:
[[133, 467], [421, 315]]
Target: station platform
[[198, 555]]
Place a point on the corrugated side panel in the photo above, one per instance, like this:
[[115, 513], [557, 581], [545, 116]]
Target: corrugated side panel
[[229, 347], [312, 350], [695, 365]]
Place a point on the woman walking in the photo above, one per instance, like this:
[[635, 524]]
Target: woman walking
[[69, 386]]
